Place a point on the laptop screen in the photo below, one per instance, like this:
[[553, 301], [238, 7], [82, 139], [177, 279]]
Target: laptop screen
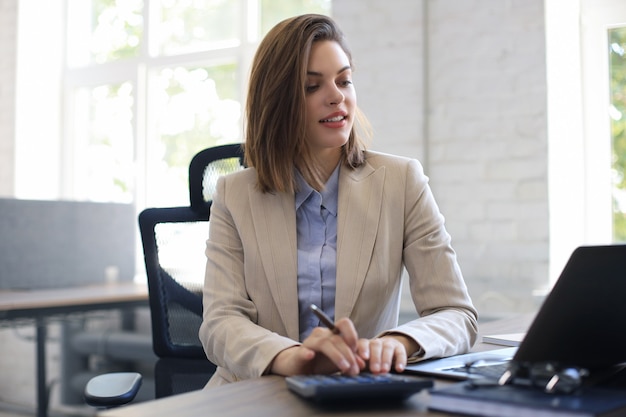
[[582, 321]]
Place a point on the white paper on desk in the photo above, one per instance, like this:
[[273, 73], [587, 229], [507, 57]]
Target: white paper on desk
[[508, 339]]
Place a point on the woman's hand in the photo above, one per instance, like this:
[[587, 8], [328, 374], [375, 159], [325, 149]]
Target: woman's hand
[[381, 354], [323, 352]]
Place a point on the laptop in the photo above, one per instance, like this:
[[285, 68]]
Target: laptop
[[582, 322]]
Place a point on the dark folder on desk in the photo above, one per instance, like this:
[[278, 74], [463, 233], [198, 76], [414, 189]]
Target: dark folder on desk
[[515, 401], [582, 322]]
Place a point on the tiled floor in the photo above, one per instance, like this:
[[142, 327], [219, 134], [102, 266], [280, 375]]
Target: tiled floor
[[13, 407], [10, 411], [6, 413], [26, 414]]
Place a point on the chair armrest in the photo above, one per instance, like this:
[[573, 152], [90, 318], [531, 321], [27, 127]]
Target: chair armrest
[[112, 389]]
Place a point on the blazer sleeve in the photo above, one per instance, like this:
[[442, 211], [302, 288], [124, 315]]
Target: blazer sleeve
[[447, 323], [231, 337]]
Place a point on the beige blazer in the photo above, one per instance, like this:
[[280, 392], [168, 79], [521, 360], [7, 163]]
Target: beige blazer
[[387, 220]]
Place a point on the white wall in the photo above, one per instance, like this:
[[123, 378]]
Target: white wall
[[461, 85], [8, 42], [387, 45]]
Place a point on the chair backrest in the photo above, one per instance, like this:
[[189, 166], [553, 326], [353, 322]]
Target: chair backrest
[[173, 241], [206, 167]]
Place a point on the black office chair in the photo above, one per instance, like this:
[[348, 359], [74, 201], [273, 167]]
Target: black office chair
[[173, 241], [205, 167]]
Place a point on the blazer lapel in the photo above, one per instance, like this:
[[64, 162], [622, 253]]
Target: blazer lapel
[[274, 219], [360, 200]]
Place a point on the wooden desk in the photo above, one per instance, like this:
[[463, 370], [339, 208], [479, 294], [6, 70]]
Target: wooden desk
[[42, 306], [268, 396]]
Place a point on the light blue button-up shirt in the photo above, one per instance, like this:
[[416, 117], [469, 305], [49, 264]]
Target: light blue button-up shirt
[[316, 222]]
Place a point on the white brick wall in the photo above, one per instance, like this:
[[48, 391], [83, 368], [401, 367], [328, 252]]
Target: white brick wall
[[475, 115], [387, 47]]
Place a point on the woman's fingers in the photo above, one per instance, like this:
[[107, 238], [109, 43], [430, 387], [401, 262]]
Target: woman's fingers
[[348, 332], [342, 350], [335, 348], [383, 353]]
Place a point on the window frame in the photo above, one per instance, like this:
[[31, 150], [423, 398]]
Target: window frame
[[137, 71]]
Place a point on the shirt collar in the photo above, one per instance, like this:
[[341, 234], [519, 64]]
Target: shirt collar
[[329, 193]]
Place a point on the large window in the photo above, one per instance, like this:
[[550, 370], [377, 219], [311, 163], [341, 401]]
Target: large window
[[584, 42], [150, 83]]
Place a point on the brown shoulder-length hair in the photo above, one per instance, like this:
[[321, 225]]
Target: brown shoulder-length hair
[[275, 108]]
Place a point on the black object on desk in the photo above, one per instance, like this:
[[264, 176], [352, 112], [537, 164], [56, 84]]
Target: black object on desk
[[520, 401], [362, 387]]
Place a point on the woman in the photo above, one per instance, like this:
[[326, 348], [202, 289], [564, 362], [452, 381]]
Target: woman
[[317, 219]]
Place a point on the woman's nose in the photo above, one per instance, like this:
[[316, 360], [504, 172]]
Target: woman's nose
[[335, 96]]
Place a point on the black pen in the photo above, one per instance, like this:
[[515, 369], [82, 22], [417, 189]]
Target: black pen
[[324, 318]]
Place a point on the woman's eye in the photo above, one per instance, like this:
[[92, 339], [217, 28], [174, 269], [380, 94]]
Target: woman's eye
[[345, 83], [311, 88]]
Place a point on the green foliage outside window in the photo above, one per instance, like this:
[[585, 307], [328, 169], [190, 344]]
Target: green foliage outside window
[[617, 48], [118, 28]]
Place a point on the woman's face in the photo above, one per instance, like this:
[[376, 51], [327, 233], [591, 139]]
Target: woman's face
[[330, 97]]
